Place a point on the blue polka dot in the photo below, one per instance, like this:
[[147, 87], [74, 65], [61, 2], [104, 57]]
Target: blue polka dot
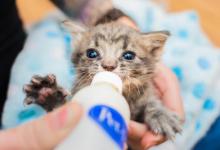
[[198, 90], [203, 63], [30, 113], [209, 104], [183, 34], [192, 16], [26, 114], [178, 71], [198, 126], [52, 34], [67, 39]]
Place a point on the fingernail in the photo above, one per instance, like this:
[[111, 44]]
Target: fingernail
[[150, 139], [65, 117]]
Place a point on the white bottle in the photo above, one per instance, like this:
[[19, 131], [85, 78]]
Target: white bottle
[[106, 115]]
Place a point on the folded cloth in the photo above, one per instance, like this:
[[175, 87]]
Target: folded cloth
[[188, 52]]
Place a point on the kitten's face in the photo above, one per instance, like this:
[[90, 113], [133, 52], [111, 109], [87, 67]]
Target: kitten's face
[[119, 49]]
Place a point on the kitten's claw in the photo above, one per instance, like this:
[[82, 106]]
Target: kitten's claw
[[51, 78], [44, 92], [36, 80], [28, 100], [27, 88]]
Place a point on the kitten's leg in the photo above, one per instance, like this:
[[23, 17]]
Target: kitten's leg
[[161, 120], [45, 92]]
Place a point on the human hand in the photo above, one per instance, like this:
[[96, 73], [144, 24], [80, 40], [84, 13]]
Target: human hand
[[166, 83], [44, 133]]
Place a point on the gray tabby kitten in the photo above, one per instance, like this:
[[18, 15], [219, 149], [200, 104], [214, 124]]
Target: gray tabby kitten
[[120, 49]]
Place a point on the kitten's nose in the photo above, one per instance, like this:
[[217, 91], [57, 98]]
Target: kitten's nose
[[109, 67]]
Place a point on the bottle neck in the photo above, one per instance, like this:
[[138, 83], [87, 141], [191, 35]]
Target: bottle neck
[[110, 78], [109, 85]]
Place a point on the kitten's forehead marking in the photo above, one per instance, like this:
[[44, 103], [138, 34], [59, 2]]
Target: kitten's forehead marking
[[112, 39], [123, 38], [97, 37], [111, 30]]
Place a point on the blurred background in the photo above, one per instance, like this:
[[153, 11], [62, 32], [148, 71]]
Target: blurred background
[[208, 10], [192, 53]]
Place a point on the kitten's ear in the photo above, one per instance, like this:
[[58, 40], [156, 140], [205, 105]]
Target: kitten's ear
[[154, 42], [73, 27]]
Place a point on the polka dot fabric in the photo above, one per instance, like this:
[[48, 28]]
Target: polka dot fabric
[[188, 53]]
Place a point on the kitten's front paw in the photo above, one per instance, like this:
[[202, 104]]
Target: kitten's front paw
[[164, 122], [45, 92]]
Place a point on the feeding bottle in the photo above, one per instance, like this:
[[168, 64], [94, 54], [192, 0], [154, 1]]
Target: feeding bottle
[[103, 125]]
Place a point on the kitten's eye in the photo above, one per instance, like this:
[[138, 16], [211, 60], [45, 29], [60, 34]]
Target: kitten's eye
[[92, 53], [128, 55]]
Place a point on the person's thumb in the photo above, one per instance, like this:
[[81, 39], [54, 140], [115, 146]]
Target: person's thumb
[[44, 133]]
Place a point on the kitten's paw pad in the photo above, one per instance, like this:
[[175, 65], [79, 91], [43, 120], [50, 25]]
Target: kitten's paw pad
[[40, 85], [45, 92], [165, 123]]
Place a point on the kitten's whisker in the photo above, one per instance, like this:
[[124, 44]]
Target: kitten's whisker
[[80, 79], [129, 87]]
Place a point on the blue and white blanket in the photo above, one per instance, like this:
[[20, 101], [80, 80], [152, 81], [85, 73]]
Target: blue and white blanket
[[188, 52]]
